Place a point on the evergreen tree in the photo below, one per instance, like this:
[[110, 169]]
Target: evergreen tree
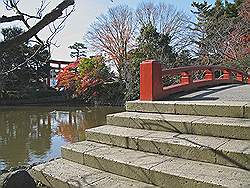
[[232, 9], [219, 30], [78, 50], [23, 68], [184, 58], [154, 45], [202, 14], [151, 45]]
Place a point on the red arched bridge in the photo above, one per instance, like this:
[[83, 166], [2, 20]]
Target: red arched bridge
[[151, 76]]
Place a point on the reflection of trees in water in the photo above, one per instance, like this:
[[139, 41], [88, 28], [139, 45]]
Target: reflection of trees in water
[[40, 136], [21, 131], [71, 125], [29, 130]]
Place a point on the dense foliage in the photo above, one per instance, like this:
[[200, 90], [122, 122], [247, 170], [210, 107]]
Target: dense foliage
[[151, 45], [22, 68], [222, 33], [90, 80]]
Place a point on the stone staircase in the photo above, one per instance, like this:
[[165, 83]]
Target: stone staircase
[[159, 144]]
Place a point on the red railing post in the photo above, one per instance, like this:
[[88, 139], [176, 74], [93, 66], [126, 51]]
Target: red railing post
[[227, 74], [248, 79], [209, 74], [150, 80], [239, 77], [186, 78], [48, 80]]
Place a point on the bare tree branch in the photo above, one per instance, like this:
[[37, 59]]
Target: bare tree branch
[[57, 28], [113, 33], [46, 20], [4, 19], [168, 20]]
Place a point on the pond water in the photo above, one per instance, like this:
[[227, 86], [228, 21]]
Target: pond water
[[35, 134]]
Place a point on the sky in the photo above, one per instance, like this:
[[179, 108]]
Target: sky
[[79, 21]]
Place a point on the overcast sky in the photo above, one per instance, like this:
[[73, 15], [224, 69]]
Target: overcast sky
[[78, 23]]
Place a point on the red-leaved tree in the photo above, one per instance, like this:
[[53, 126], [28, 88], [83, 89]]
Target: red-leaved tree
[[81, 77]]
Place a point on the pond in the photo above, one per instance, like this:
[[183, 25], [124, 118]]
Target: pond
[[34, 134]]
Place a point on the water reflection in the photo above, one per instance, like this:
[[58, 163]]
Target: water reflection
[[35, 134]]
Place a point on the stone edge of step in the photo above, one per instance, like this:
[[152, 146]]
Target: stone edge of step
[[195, 147], [227, 127], [210, 108], [137, 165], [64, 173]]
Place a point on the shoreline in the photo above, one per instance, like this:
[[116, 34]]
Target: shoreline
[[58, 101], [6, 173]]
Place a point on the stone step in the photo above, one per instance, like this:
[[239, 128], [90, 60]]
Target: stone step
[[62, 173], [160, 170], [229, 152], [201, 108], [226, 127]]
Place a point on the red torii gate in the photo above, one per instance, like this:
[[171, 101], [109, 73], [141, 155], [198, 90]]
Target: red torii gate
[[151, 74], [57, 69]]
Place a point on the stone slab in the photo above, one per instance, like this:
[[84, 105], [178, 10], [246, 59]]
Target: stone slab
[[63, 173], [152, 121], [151, 106], [247, 110], [74, 151], [127, 163], [228, 153], [201, 108], [205, 174], [211, 108], [114, 136], [162, 170], [200, 148], [227, 127]]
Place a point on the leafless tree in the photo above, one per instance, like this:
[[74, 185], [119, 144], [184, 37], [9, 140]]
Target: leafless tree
[[58, 13], [168, 20], [112, 33]]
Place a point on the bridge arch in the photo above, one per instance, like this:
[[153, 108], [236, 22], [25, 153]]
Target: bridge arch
[[152, 88]]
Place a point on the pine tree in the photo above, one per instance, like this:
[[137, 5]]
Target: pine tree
[[151, 45], [155, 45], [23, 67], [216, 28], [78, 50]]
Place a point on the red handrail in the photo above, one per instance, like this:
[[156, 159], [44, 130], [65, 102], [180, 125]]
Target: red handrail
[[178, 70], [151, 74]]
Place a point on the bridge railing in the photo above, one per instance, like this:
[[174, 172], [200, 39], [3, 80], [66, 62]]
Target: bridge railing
[[151, 79]]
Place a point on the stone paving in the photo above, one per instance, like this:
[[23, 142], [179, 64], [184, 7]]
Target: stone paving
[[232, 92]]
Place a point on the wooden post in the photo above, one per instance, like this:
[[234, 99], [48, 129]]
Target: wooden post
[[150, 80], [209, 75], [186, 78], [227, 75], [239, 77]]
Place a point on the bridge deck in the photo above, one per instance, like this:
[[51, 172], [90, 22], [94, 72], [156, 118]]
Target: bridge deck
[[232, 92]]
